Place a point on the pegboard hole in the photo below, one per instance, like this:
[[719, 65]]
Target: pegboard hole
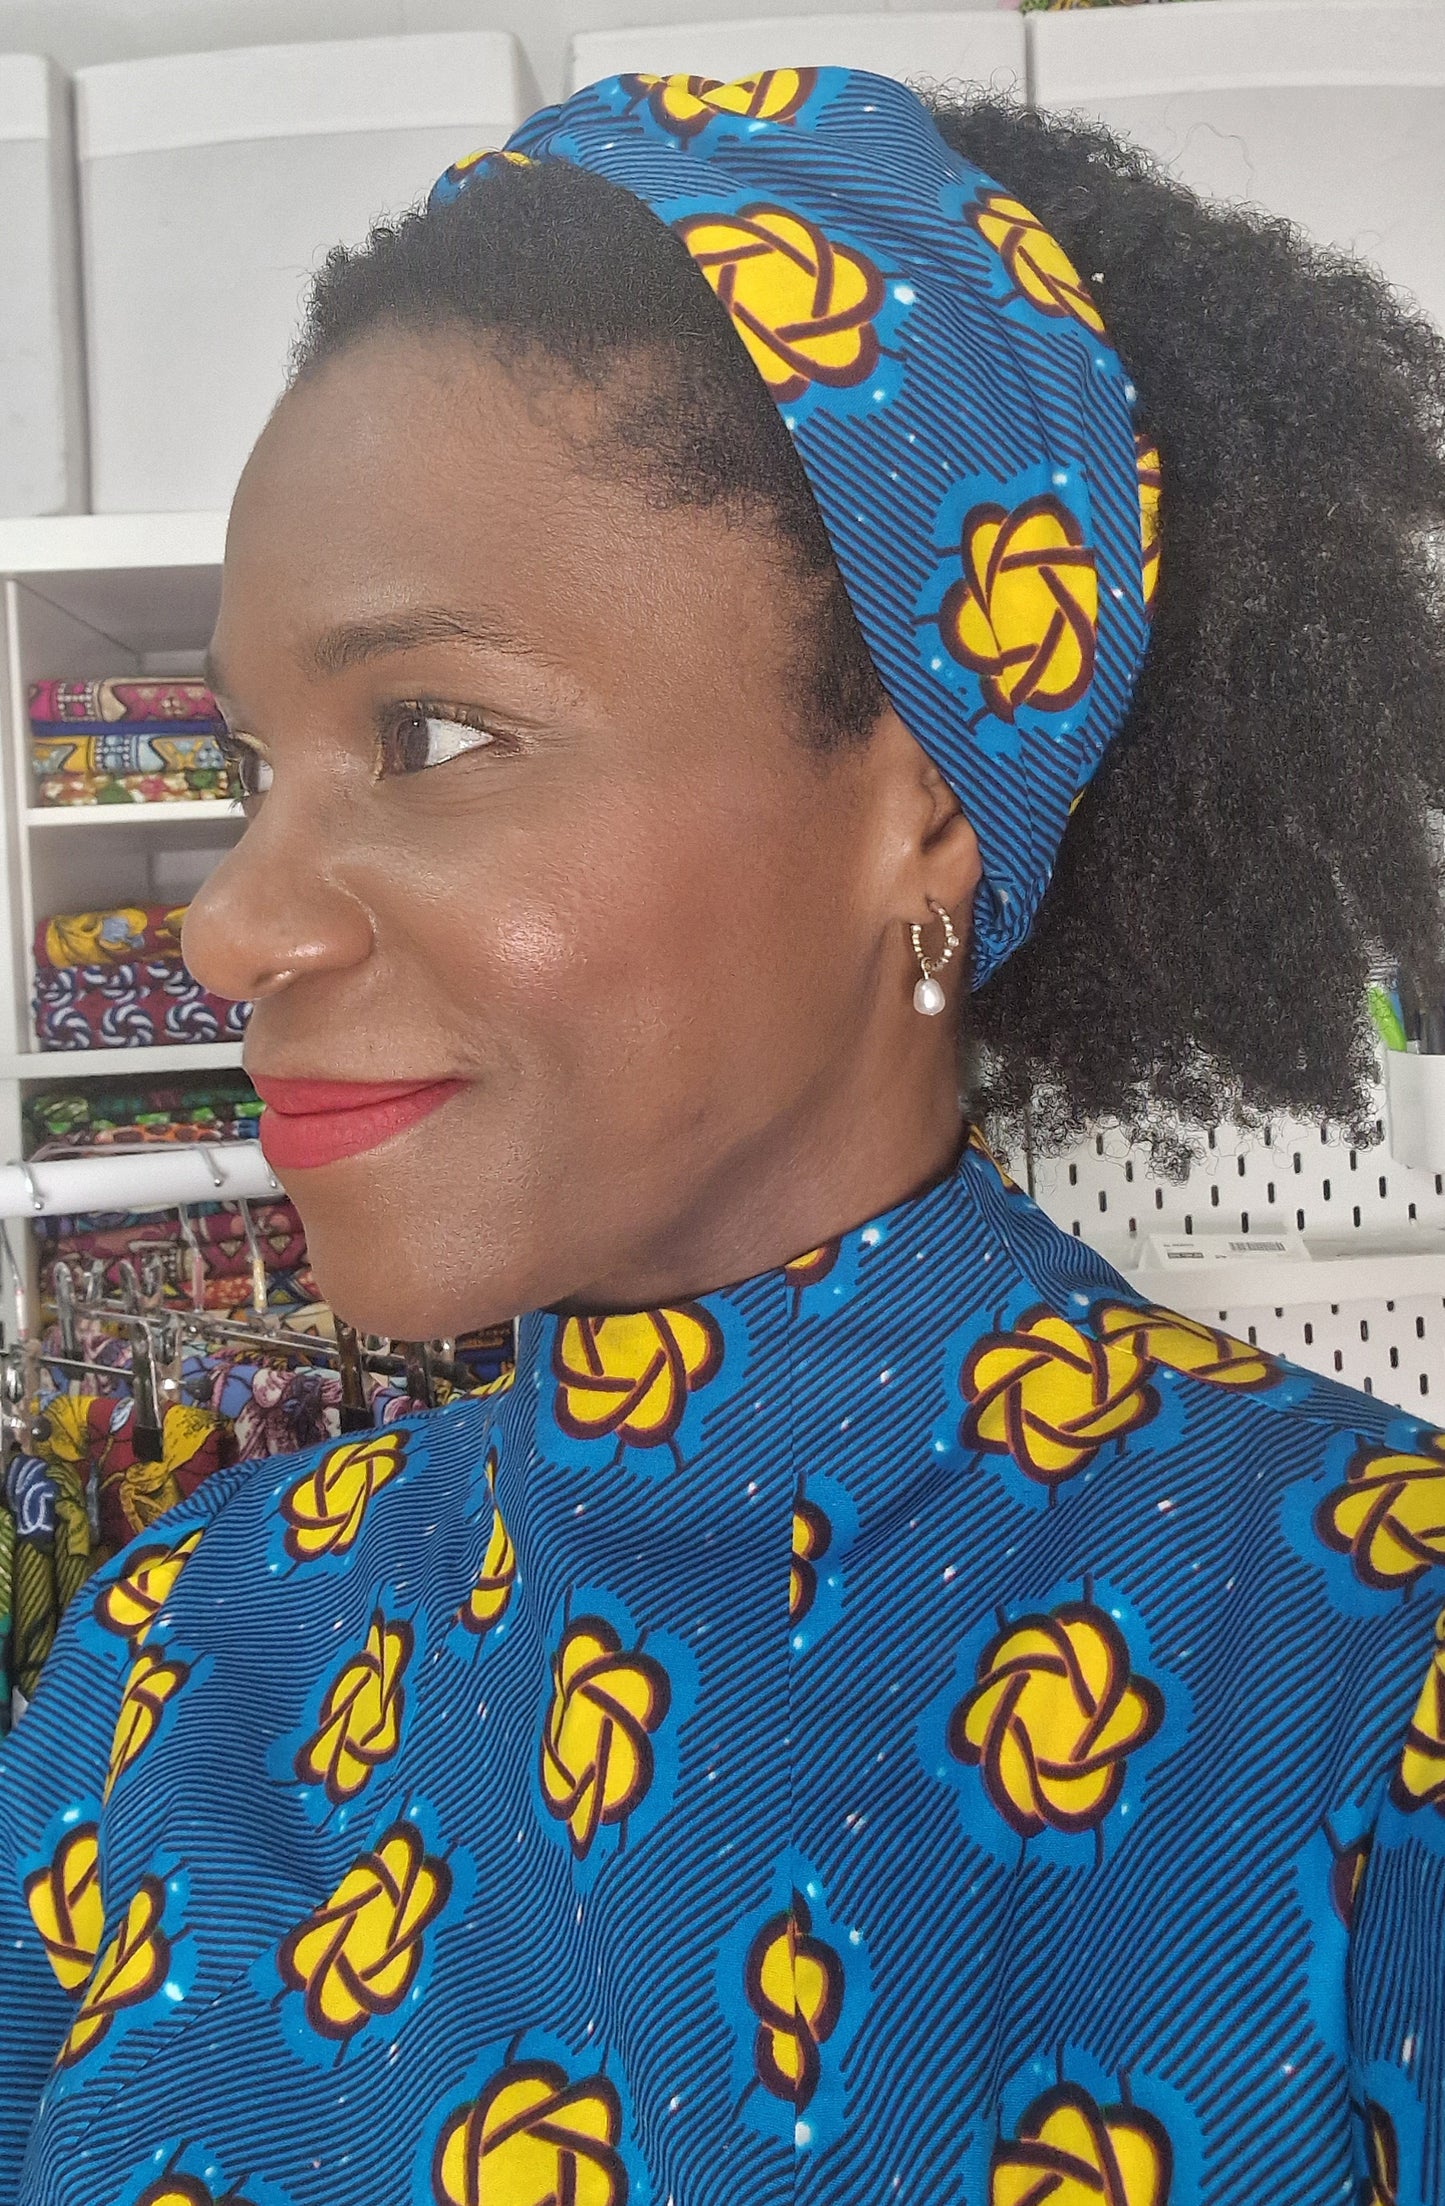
[[1369, 1384], [1339, 1360], [1364, 1328], [1073, 1175], [1355, 1214], [1242, 1167], [1354, 1161], [1253, 1336], [1129, 1170], [1103, 1200], [1419, 1328], [1424, 1382], [1158, 1198], [1309, 1334], [1299, 1219], [1384, 1187], [1269, 1192], [1394, 1359], [1325, 1190], [1297, 1164], [1214, 1198]]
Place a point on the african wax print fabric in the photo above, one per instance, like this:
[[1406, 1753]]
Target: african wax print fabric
[[190, 787], [108, 700], [71, 1121], [965, 425], [917, 1724], [138, 1005], [120, 935], [112, 1238]]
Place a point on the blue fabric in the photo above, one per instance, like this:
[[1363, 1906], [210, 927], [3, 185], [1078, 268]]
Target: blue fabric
[[964, 423], [916, 1725]]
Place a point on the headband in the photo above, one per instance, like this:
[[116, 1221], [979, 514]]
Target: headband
[[963, 422]]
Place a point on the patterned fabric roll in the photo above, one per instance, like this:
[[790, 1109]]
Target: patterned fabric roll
[[110, 937], [129, 749], [178, 788], [135, 1006], [69, 1121], [121, 697]]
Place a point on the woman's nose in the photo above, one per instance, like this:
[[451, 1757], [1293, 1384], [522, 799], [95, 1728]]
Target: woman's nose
[[272, 913]]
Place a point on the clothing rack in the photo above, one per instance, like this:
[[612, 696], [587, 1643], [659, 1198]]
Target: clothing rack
[[160, 1334], [160, 1177]]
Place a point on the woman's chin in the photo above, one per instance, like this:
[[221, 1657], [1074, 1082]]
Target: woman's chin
[[392, 1291]]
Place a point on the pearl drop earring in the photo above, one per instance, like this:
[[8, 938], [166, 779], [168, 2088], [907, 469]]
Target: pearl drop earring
[[928, 996]]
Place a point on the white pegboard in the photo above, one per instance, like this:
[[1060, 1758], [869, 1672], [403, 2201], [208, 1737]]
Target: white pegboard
[[1290, 1178]]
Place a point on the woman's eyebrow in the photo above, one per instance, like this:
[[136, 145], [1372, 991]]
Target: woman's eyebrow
[[351, 642]]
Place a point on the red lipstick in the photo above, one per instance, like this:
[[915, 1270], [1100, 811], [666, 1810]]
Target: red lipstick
[[307, 1123]]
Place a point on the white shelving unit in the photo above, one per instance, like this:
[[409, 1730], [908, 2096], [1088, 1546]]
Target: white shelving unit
[[84, 594], [1367, 1307]]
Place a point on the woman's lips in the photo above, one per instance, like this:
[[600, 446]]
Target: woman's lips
[[307, 1123]]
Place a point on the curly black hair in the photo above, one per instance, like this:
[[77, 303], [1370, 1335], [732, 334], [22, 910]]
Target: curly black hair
[[1265, 826]]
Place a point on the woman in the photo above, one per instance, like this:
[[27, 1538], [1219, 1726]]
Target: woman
[[872, 1711]]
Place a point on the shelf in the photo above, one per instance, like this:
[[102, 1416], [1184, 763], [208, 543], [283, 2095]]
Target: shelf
[[69, 543], [1361, 1267], [193, 812], [104, 1064]]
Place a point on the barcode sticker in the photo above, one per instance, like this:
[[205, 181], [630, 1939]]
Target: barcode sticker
[[1169, 1250]]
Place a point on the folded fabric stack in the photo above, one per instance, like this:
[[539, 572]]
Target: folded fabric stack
[[73, 1122], [111, 1237], [115, 980], [127, 741]]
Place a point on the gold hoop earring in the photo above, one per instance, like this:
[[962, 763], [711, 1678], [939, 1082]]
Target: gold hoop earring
[[928, 996]]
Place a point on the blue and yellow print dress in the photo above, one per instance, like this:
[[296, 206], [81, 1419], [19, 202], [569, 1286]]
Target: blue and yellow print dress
[[918, 1725]]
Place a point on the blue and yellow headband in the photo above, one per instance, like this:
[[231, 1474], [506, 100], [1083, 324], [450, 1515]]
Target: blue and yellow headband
[[964, 424]]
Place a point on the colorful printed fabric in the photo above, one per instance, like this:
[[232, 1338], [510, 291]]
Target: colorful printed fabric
[[197, 788], [90, 1439], [921, 1724], [126, 750], [119, 936], [964, 423], [122, 697], [112, 1237], [133, 1006], [7, 1606], [73, 1121]]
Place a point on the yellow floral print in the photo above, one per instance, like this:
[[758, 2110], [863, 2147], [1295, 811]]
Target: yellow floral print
[[356, 1956], [1053, 1717], [1050, 1397], [361, 1713], [1382, 2159], [632, 1375], [325, 1507], [131, 1602], [533, 2138], [1389, 1515], [153, 1681], [1035, 260], [802, 303], [685, 105], [596, 1760], [486, 1604], [1151, 497], [1419, 1781], [794, 1985], [1024, 615], [1069, 2151], [812, 1535], [131, 1970], [815, 1264], [1184, 1344], [66, 1906]]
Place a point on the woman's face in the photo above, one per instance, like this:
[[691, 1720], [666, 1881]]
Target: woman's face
[[539, 821]]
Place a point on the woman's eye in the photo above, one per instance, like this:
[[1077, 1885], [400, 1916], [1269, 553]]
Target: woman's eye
[[417, 738], [249, 770]]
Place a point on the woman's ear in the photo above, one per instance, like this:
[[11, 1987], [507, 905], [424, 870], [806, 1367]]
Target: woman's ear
[[932, 850]]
